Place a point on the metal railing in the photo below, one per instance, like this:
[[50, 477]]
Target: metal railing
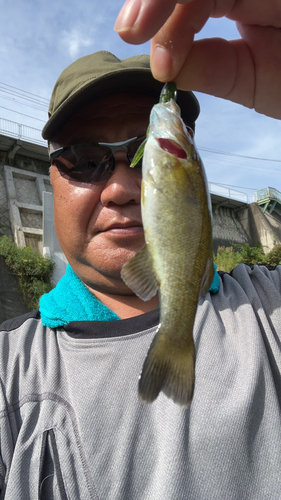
[[19, 131], [268, 192], [231, 193]]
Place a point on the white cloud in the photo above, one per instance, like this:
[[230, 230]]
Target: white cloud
[[74, 41]]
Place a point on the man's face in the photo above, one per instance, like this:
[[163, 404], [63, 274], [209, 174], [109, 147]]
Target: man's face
[[99, 225]]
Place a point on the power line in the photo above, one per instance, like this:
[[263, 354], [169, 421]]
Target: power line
[[230, 185], [26, 92], [245, 165], [24, 103], [13, 111], [16, 94], [215, 151]]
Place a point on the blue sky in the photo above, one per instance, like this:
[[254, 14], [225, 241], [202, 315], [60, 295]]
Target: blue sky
[[40, 38]]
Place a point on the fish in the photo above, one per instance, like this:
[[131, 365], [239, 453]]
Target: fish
[[177, 258]]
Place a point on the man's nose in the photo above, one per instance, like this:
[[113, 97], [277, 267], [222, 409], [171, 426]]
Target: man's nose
[[124, 185]]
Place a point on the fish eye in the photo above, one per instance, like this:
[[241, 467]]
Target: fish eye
[[190, 131]]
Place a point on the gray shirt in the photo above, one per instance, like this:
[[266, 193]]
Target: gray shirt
[[72, 426]]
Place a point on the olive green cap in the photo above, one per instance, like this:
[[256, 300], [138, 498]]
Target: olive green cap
[[100, 74]]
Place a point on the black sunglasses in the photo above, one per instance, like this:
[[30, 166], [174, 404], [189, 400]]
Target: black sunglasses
[[93, 162]]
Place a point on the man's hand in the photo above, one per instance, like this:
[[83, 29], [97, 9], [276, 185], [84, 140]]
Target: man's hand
[[246, 71]]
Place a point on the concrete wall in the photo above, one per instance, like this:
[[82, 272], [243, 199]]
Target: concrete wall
[[51, 246], [261, 227], [5, 222], [24, 197], [227, 228], [25, 163], [246, 225]]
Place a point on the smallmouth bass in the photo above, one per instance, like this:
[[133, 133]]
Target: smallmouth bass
[[177, 258]]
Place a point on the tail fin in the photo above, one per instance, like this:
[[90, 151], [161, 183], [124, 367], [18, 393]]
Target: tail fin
[[169, 367]]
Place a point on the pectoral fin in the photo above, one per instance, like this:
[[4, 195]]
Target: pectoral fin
[[138, 275]]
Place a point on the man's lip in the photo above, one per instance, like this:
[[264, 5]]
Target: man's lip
[[122, 231], [122, 225]]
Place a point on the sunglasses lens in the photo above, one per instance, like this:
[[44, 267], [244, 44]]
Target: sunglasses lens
[[86, 163], [93, 163]]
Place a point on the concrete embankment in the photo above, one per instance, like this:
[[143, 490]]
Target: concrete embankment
[[227, 229], [248, 224], [261, 226]]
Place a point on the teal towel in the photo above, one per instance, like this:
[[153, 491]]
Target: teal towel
[[71, 300], [215, 286]]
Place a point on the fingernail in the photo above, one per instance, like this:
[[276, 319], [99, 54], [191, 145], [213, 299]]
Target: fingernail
[[161, 63], [127, 15]]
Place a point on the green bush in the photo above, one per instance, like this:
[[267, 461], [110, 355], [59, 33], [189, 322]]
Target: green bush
[[273, 258], [32, 270], [250, 255], [228, 257]]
